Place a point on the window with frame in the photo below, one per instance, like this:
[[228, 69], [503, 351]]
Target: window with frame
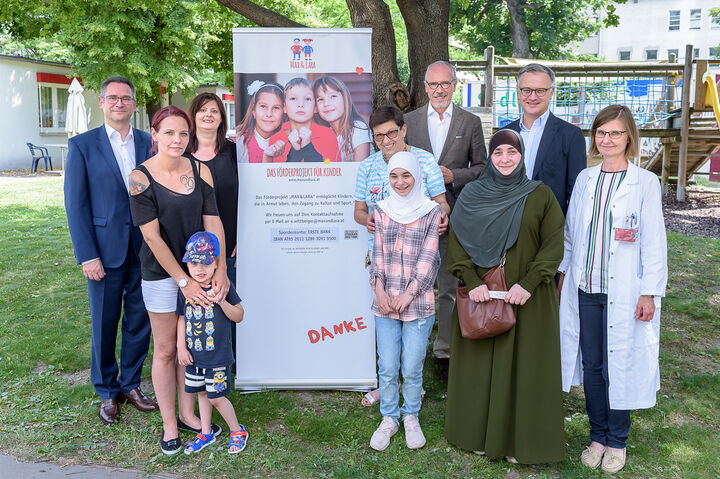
[[674, 20], [696, 53], [624, 55], [714, 53], [651, 54], [52, 99], [674, 51], [714, 22], [695, 18]]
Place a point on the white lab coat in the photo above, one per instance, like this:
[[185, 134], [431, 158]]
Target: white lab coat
[[635, 269]]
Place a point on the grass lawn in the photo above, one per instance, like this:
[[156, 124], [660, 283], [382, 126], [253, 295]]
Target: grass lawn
[[48, 409]]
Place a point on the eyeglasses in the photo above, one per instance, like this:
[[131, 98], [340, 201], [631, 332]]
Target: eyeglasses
[[112, 99], [540, 92], [443, 84], [391, 134], [614, 135]]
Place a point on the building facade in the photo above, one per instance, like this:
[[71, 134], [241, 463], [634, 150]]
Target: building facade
[[33, 99], [651, 30]]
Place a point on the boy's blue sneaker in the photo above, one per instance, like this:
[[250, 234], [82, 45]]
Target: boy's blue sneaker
[[199, 443]]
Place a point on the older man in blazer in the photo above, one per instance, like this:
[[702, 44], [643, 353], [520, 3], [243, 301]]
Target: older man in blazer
[[455, 137], [106, 244], [554, 148]]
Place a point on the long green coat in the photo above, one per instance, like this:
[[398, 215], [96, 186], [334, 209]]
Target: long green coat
[[504, 393]]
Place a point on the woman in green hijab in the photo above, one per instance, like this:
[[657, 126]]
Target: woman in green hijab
[[504, 393]]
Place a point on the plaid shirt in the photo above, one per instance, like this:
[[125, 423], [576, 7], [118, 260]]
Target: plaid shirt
[[405, 257]]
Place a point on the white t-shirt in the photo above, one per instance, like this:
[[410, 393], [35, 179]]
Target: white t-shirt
[[361, 134]]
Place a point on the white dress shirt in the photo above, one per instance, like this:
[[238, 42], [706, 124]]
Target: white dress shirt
[[124, 152], [531, 138], [438, 129]]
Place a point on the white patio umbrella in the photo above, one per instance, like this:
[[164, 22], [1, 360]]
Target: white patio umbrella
[[76, 116]]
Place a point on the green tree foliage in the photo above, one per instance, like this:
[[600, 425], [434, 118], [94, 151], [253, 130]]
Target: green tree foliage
[[161, 46], [552, 25]]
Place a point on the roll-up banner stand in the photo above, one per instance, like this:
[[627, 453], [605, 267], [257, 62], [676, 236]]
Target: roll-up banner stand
[[301, 269]]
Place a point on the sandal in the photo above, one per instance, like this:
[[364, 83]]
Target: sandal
[[238, 439], [371, 398], [199, 443]]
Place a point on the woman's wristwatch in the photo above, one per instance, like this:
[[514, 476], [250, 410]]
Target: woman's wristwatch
[[182, 282]]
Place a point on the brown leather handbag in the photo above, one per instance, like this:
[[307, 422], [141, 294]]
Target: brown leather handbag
[[490, 318]]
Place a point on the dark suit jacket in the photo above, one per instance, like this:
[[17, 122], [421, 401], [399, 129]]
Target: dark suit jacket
[[464, 151], [96, 201], [560, 157]]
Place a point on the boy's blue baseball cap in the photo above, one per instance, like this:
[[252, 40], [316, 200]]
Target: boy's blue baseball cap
[[202, 247]]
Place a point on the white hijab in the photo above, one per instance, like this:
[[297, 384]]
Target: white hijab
[[406, 209]]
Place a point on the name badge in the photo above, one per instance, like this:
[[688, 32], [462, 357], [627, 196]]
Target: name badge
[[628, 235]]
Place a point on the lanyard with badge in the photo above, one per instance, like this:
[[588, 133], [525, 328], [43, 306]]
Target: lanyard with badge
[[629, 232]]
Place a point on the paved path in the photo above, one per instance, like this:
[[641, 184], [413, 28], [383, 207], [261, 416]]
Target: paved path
[[12, 468]]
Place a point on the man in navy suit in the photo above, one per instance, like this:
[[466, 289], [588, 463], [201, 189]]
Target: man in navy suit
[[106, 244], [554, 148]]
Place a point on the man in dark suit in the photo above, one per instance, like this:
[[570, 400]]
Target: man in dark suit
[[455, 137], [554, 148], [106, 244]]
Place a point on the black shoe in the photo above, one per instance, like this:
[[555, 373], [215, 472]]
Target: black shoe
[[173, 446], [443, 368], [216, 429]]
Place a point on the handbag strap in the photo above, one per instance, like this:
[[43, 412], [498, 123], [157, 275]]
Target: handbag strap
[[502, 260]]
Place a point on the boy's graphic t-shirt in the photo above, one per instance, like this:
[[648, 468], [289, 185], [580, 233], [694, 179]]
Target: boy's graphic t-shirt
[[208, 333]]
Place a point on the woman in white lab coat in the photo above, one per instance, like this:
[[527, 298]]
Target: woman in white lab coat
[[612, 277]]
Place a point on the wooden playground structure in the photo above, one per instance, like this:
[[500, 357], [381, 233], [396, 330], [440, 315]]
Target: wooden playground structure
[[675, 105]]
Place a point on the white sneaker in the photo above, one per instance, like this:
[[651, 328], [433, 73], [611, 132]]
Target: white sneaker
[[381, 437], [414, 437]]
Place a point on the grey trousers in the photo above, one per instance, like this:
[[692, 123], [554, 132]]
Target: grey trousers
[[446, 302]]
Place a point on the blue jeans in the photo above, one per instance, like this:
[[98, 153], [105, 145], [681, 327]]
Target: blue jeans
[[609, 427], [401, 345]]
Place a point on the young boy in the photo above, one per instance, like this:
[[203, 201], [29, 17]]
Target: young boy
[[204, 345], [303, 139]]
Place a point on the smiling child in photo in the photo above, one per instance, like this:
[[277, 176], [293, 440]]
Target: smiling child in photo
[[304, 140]]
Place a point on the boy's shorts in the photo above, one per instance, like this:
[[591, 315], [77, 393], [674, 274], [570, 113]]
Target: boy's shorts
[[214, 381]]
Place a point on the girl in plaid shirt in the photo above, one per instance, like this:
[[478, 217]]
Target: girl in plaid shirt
[[402, 273]]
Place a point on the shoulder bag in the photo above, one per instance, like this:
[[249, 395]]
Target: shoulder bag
[[490, 318]]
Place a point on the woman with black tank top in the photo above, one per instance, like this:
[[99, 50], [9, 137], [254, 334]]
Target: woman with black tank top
[[171, 198], [209, 145]]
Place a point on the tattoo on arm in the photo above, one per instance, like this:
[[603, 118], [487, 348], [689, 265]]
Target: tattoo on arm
[[188, 181], [136, 187]]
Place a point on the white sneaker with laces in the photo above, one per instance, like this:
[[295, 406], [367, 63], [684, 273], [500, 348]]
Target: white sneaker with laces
[[414, 437], [381, 437]]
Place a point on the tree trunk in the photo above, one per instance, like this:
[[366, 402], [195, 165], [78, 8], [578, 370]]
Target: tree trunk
[[427, 28], [375, 14], [518, 28], [426, 22], [151, 107]]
